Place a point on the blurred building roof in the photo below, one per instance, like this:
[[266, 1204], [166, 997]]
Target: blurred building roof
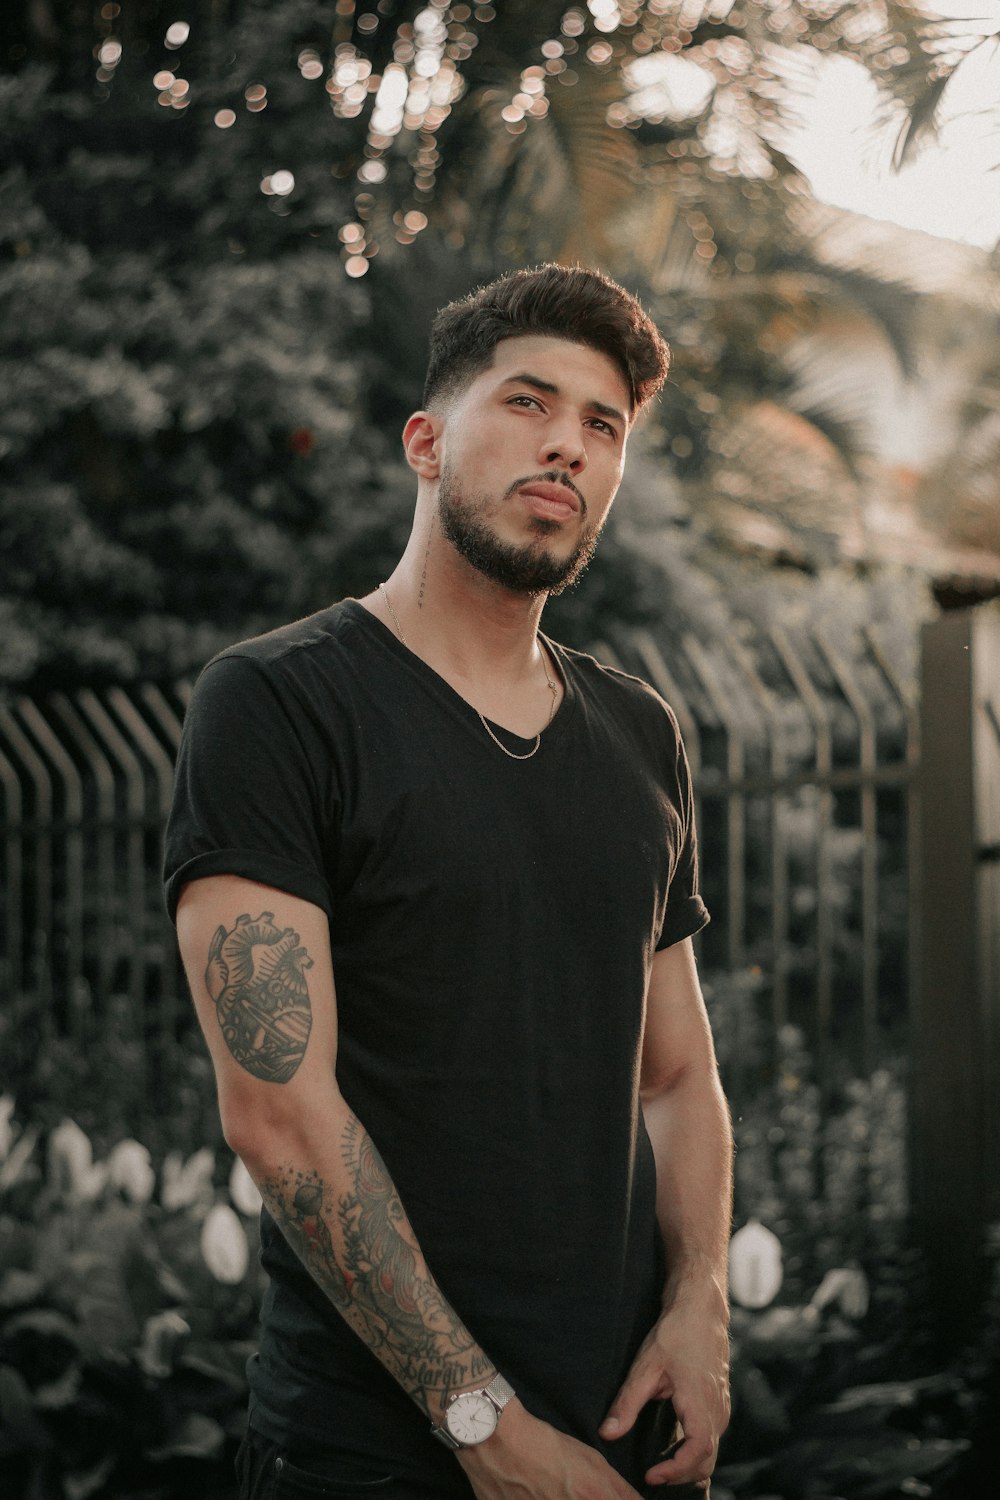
[[911, 257], [799, 503]]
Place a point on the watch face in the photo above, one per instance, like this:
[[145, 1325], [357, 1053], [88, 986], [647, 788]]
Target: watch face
[[471, 1417]]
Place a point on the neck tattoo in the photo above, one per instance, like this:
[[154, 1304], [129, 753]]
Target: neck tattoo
[[553, 690], [423, 576]]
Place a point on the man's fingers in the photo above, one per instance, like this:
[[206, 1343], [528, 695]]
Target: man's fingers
[[639, 1388], [692, 1463]]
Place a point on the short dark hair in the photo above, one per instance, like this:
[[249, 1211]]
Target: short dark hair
[[567, 302]]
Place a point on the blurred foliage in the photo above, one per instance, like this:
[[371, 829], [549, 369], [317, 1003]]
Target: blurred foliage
[[215, 324], [111, 1077], [823, 1165], [129, 1287]]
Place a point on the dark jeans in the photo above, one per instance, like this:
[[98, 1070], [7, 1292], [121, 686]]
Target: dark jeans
[[266, 1471]]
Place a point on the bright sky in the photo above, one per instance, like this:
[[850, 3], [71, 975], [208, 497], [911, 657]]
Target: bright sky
[[950, 189]]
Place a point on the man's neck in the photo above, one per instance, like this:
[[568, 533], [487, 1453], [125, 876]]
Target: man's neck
[[459, 621]]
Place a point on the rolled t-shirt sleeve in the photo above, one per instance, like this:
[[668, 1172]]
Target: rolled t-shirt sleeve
[[686, 913], [249, 798]]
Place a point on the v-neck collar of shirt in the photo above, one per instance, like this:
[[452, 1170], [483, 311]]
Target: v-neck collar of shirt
[[553, 731]]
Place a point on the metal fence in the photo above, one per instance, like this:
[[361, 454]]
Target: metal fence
[[86, 780], [804, 762], [805, 756]]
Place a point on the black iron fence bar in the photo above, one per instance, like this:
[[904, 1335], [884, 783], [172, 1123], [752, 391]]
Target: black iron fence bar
[[157, 757], [715, 783], [41, 782], [103, 841], [169, 722], [659, 675], [779, 844], [736, 804], [162, 764], [71, 829], [867, 759], [135, 808], [14, 871], [816, 710], [908, 697]]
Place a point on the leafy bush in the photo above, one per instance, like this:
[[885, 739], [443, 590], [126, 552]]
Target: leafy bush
[[128, 1308]]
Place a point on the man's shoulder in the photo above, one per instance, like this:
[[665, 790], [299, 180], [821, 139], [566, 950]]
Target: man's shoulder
[[315, 635], [622, 690]]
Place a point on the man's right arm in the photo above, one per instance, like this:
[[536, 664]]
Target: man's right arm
[[258, 963]]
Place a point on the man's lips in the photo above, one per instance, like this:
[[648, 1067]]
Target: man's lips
[[555, 500]]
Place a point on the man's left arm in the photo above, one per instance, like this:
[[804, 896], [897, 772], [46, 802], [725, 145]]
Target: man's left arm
[[686, 1355]]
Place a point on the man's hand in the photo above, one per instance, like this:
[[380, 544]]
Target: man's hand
[[685, 1358], [526, 1459]]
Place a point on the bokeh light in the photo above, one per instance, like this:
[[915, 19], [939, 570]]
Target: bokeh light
[[177, 34], [310, 63], [224, 118], [373, 172]]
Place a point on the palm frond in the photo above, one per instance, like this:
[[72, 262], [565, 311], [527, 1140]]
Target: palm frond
[[889, 305], [845, 434], [559, 187], [919, 125], [911, 53], [601, 160]]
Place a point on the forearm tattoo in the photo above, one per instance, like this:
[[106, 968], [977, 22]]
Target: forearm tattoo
[[256, 978], [369, 1266], [357, 1246]]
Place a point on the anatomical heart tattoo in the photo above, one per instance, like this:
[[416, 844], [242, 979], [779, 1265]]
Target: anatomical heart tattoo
[[255, 976]]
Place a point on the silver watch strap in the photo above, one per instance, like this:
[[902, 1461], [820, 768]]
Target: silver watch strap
[[500, 1391]]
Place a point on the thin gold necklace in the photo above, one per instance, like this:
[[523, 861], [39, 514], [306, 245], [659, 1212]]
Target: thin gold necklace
[[485, 723]]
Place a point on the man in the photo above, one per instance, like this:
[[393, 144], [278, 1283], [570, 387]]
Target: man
[[435, 886]]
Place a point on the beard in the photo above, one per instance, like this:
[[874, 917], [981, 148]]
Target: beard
[[528, 568]]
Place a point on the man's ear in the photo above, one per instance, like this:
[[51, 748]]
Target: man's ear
[[422, 444]]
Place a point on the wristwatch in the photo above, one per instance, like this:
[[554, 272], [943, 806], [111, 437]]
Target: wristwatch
[[471, 1416]]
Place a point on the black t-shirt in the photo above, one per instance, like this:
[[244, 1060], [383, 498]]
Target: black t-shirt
[[492, 924]]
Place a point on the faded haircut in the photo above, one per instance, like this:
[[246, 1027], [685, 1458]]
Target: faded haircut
[[567, 302]]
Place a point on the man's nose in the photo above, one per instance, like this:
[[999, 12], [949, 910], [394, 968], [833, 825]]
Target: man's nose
[[563, 447]]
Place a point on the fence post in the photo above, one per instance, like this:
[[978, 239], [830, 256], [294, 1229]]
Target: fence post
[[955, 1087]]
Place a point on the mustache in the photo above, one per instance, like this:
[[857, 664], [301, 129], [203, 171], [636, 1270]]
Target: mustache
[[550, 476]]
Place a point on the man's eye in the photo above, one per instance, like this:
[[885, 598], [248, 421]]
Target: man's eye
[[605, 426], [528, 400]]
